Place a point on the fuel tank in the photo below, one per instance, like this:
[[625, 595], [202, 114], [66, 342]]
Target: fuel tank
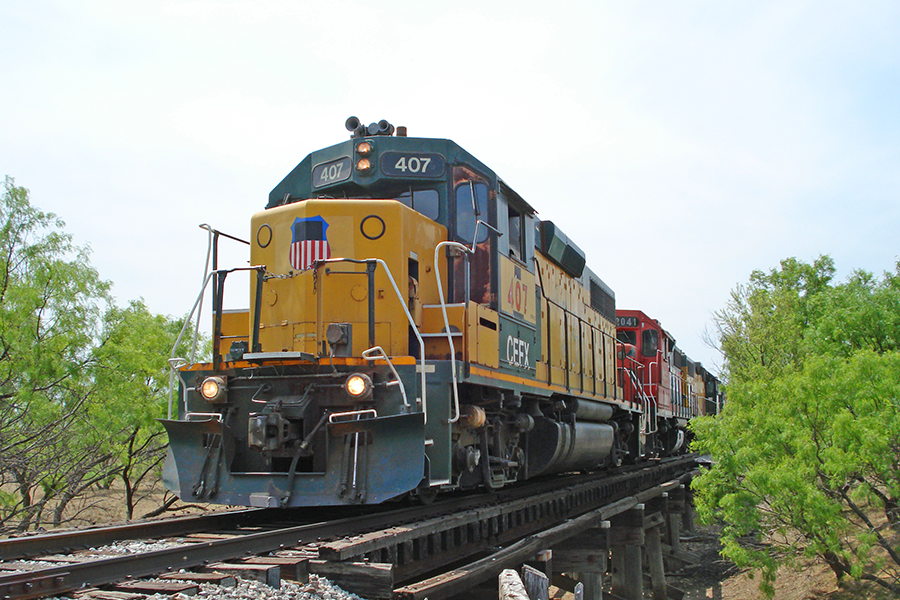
[[555, 447]]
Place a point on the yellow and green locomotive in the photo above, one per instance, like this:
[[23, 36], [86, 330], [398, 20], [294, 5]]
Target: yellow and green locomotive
[[412, 327]]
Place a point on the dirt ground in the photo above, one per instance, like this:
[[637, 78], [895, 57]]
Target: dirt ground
[[717, 579]]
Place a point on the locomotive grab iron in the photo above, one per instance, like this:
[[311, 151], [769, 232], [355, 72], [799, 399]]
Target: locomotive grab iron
[[413, 327]]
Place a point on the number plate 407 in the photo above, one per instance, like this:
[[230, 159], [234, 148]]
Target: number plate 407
[[404, 164]]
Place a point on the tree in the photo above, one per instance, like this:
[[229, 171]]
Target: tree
[[132, 378], [50, 302], [81, 380], [807, 450]]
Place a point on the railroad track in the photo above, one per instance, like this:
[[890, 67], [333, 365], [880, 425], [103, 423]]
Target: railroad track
[[33, 545], [402, 552]]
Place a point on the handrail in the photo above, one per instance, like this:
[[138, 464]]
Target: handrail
[[409, 317], [658, 362], [332, 417], [397, 381], [648, 425], [216, 416], [174, 363], [212, 253], [437, 274]]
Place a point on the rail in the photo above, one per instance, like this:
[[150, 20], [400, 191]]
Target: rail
[[430, 542], [56, 542]]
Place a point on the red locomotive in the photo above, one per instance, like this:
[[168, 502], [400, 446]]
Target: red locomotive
[[670, 388]]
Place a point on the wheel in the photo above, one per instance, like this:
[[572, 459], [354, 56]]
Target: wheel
[[425, 496]]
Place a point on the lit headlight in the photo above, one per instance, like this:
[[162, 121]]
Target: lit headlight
[[363, 165], [213, 389], [364, 148], [358, 386]]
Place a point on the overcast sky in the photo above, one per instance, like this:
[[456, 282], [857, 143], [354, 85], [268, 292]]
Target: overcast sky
[[680, 144]]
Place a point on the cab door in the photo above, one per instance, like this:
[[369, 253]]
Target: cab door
[[473, 279], [519, 339]]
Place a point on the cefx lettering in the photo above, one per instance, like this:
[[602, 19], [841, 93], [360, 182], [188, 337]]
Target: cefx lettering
[[517, 352]]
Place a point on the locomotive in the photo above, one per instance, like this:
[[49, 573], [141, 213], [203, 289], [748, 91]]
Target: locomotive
[[413, 327]]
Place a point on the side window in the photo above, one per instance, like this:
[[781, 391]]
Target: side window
[[649, 342], [516, 231], [465, 210]]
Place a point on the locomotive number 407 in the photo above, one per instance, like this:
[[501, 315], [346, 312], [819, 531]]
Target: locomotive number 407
[[412, 164], [402, 164], [518, 296], [331, 172]]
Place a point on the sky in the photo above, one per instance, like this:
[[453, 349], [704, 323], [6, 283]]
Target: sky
[[681, 145]]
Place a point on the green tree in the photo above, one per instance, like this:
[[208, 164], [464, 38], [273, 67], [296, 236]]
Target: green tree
[[50, 302], [81, 380], [131, 379], [807, 450]]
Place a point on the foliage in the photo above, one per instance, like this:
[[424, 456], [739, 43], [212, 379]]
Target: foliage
[[131, 379], [50, 302], [807, 449], [80, 380]]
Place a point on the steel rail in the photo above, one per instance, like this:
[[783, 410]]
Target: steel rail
[[64, 578], [30, 546]]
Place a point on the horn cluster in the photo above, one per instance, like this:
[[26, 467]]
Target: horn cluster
[[355, 126]]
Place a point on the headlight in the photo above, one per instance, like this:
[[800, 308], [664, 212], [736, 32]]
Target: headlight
[[358, 386], [363, 165], [213, 389], [364, 148]]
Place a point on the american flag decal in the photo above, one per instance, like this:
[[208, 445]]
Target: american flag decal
[[309, 243]]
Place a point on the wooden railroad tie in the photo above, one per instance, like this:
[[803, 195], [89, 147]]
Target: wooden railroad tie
[[267, 574], [157, 587], [214, 578]]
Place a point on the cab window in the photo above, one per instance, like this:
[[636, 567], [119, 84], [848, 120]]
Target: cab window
[[465, 210], [473, 273], [516, 243], [426, 202], [627, 337], [649, 342]]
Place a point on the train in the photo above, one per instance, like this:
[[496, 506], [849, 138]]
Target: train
[[414, 328]]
